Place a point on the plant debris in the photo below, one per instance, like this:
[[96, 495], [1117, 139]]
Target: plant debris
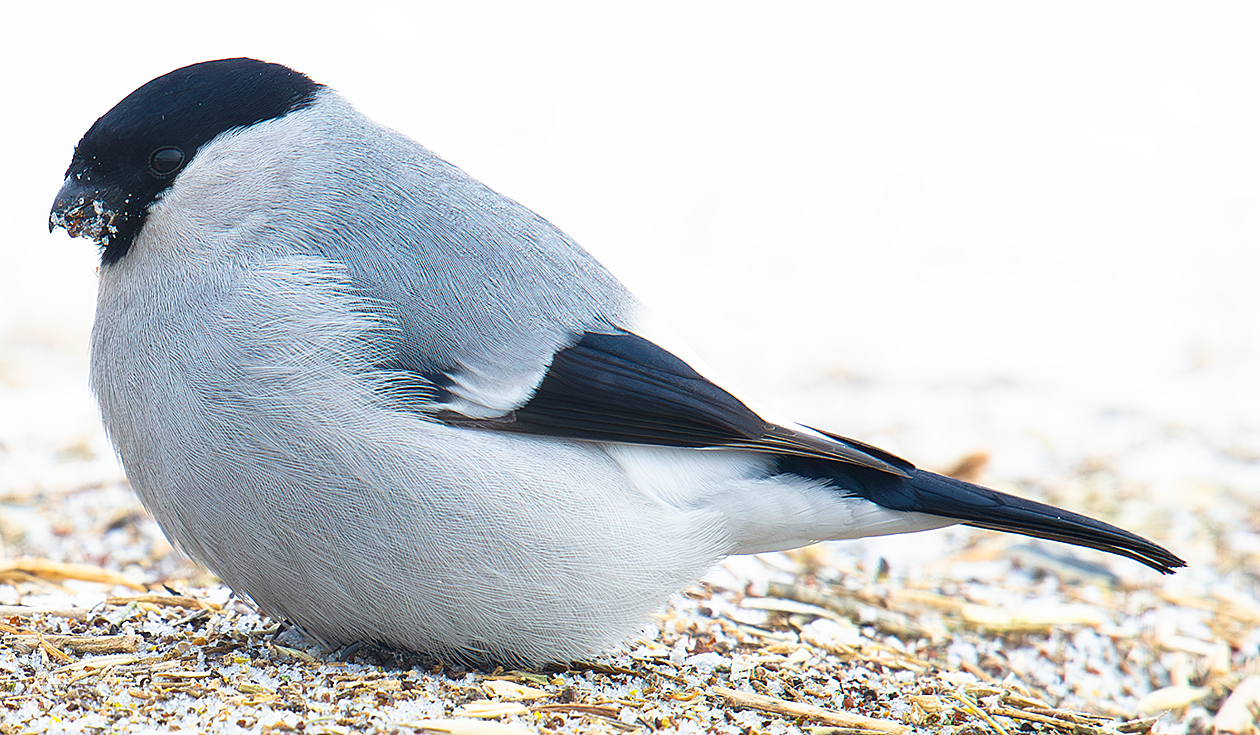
[[807, 641]]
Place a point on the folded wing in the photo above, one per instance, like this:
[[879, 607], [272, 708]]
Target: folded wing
[[620, 387]]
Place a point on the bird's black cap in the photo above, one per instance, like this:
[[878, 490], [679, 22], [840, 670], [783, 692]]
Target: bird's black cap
[[137, 149]]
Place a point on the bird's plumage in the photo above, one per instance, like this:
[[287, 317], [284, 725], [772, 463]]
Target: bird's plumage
[[393, 405]]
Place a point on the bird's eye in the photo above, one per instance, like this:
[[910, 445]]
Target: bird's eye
[[165, 161]]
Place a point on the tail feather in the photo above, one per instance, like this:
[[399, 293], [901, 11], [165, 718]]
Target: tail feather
[[973, 505]]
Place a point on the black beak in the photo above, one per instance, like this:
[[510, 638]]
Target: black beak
[[84, 211]]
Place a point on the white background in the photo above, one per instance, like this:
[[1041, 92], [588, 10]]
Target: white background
[[1030, 229]]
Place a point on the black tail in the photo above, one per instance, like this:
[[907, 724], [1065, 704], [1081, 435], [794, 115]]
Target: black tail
[[973, 505]]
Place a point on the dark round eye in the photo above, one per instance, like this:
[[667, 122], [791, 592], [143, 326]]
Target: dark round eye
[[165, 161]]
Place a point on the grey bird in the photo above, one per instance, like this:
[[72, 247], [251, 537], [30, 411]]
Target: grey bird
[[393, 406]]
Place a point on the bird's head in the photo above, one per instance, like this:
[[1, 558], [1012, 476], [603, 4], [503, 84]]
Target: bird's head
[[137, 150]]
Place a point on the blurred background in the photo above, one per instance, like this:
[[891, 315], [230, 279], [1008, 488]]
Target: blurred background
[[1027, 233]]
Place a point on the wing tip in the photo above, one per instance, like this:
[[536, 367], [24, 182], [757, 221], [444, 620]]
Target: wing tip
[[785, 440]]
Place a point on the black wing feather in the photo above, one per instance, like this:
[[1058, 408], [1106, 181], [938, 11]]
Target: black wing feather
[[623, 388]]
